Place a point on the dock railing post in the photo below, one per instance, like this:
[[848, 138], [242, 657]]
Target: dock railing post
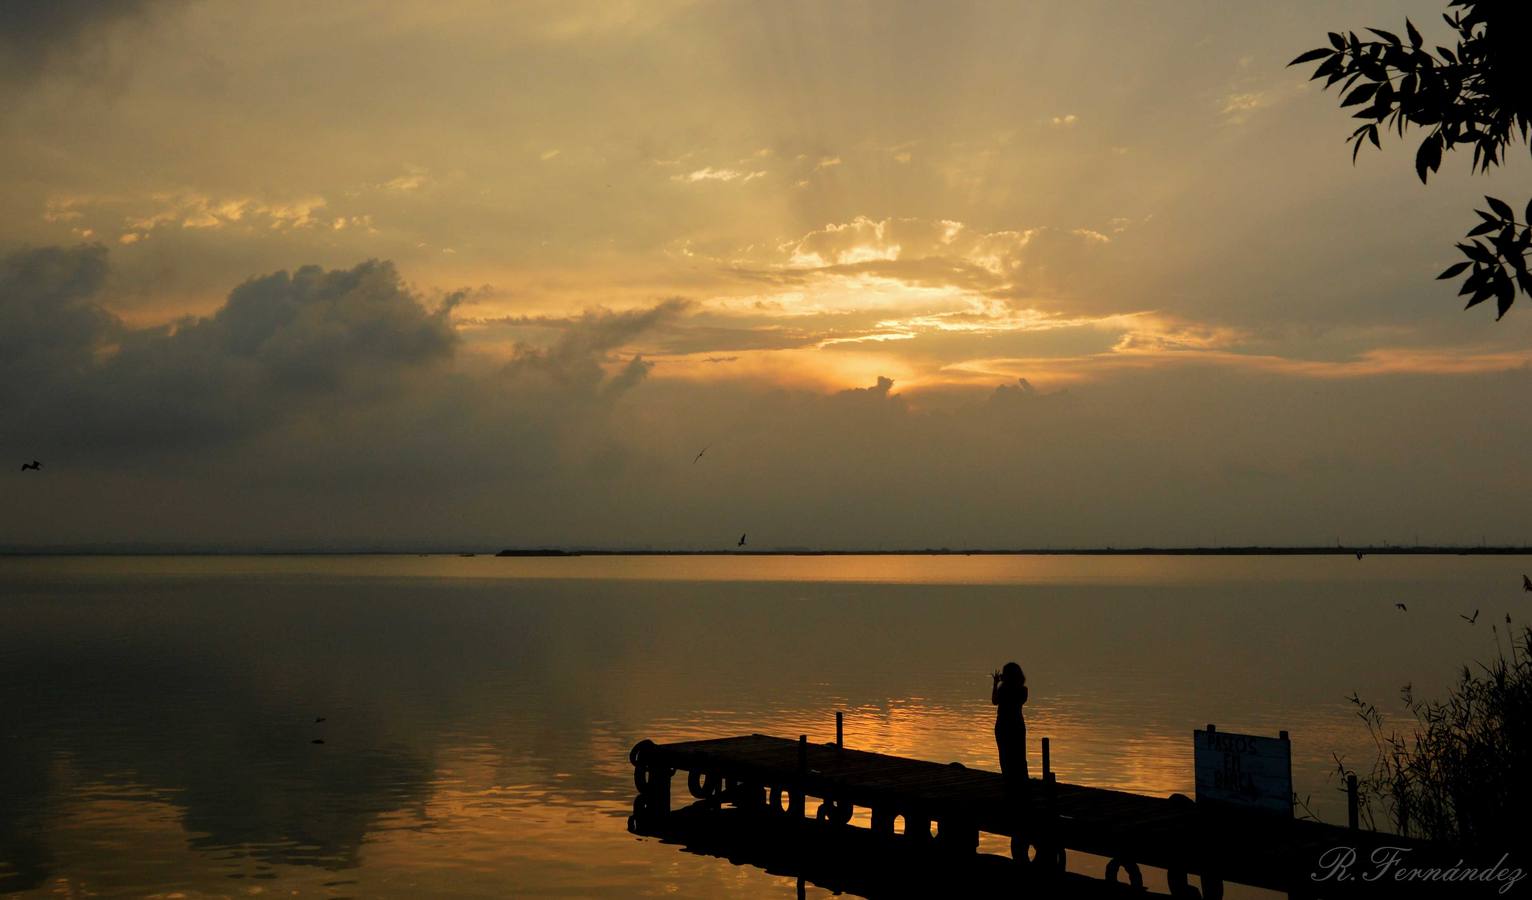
[[840, 733], [1353, 818], [1049, 778], [1282, 736], [795, 806]]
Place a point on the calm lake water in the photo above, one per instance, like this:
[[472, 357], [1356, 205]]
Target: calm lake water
[[156, 714]]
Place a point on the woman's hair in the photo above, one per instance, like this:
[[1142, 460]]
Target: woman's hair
[[1012, 672]]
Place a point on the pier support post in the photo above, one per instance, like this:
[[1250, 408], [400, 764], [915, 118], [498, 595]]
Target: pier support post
[[651, 778], [1047, 763], [747, 796], [953, 835], [657, 797], [1135, 875], [840, 733]]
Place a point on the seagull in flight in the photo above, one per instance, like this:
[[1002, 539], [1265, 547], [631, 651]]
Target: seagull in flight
[[742, 540], [1359, 554], [1472, 620], [1402, 607], [704, 450], [34, 465]]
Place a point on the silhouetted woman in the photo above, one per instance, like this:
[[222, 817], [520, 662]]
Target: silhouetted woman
[[1009, 694]]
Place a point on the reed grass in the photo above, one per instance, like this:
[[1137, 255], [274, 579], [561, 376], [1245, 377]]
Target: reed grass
[[1461, 769]]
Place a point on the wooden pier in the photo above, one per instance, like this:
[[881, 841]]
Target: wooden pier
[[935, 812]]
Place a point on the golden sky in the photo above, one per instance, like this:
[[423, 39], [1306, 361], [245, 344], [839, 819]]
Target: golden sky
[[1111, 261]]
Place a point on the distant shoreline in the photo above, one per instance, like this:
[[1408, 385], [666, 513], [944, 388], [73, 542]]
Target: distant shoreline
[[555, 552], [1070, 551]]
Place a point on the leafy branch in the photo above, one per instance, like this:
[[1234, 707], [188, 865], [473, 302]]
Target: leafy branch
[[1477, 93], [1495, 266]]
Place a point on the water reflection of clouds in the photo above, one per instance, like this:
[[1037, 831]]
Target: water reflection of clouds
[[141, 701]]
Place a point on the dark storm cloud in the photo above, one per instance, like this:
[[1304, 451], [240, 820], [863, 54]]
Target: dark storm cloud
[[281, 344], [628, 376], [50, 322], [309, 329], [35, 34], [335, 384], [575, 358]]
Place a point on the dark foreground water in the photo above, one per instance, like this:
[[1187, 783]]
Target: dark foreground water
[[156, 715]]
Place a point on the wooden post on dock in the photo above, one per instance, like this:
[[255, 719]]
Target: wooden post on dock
[[1353, 819], [1047, 764], [840, 734], [795, 804]]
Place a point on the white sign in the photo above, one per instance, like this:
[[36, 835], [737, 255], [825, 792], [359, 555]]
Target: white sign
[[1244, 770]]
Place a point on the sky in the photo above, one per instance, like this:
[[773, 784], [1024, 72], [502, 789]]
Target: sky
[[395, 275]]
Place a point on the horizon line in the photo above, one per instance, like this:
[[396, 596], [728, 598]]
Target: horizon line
[[122, 549]]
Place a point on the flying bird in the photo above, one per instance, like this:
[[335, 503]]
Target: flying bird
[[1526, 583], [704, 450], [1472, 620], [34, 465], [1402, 607], [742, 540], [1359, 554]]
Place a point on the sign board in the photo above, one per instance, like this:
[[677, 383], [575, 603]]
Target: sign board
[[1244, 770]]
